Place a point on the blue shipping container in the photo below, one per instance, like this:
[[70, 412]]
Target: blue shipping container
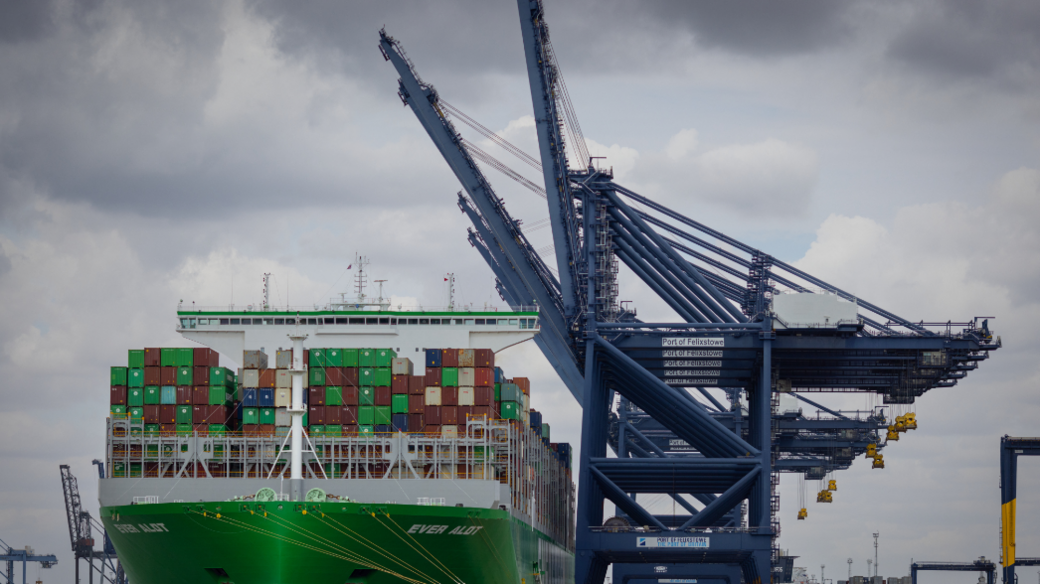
[[399, 422], [266, 397], [249, 398], [168, 396], [383, 428], [433, 357], [500, 377], [536, 421]]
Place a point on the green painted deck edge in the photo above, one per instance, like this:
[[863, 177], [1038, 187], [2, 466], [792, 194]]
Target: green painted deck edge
[[372, 313]]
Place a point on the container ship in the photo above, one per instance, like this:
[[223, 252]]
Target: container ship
[[382, 446]]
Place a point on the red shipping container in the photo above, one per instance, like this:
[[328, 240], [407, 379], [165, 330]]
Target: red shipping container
[[333, 415], [415, 422], [153, 375], [483, 396], [417, 385], [198, 414], [350, 429], [524, 384], [217, 415], [465, 413], [449, 415], [316, 397], [118, 395], [482, 412], [200, 375], [183, 395], [168, 415], [383, 396], [267, 377], [432, 414], [201, 430], [431, 429], [167, 376], [416, 405], [349, 415], [484, 358], [350, 396], [350, 376], [250, 429], [205, 357], [316, 415], [433, 376], [449, 358], [484, 377], [151, 414], [199, 395], [334, 376], [399, 384], [152, 357], [266, 430], [449, 396]]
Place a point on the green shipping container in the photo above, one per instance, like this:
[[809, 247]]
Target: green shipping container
[[367, 376], [267, 416], [135, 377], [136, 431], [367, 396], [350, 357], [168, 357], [135, 470], [382, 415], [184, 375], [366, 358], [333, 357], [333, 396], [333, 430], [137, 414], [304, 422], [511, 392], [385, 357], [317, 358], [450, 376], [510, 410], [152, 395], [545, 430], [119, 470], [135, 358], [119, 411], [366, 430], [399, 404], [186, 357], [219, 376], [317, 377], [498, 392], [217, 429], [151, 430], [382, 377], [135, 396], [118, 376], [317, 430], [183, 415], [218, 395], [250, 415], [184, 430], [168, 395], [366, 415]]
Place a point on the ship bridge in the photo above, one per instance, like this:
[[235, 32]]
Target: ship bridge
[[409, 332]]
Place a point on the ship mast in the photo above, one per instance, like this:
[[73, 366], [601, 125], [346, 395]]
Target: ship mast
[[297, 411]]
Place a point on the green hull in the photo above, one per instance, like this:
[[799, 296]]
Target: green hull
[[330, 543]]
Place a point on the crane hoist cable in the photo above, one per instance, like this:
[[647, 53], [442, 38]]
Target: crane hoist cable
[[498, 165], [491, 135]]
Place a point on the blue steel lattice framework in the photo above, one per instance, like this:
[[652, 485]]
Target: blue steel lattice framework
[[721, 291], [1010, 449]]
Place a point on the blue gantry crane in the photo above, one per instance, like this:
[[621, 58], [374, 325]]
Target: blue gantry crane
[[987, 567], [81, 529], [12, 555], [747, 323], [1010, 449]]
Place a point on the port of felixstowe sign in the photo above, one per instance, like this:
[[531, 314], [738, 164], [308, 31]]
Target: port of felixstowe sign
[[688, 377], [672, 542]]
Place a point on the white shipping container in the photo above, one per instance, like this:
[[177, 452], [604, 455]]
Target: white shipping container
[[433, 396], [401, 366], [466, 395], [282, 398], [282, 416], [283, 359], [449, 431], [467, 377], [250, 378], [283, 379]]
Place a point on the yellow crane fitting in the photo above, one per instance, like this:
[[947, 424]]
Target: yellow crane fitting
[[832, 485], [879, 461], [911, 421], [824, 496], [802, 514], [892, 436], [871, 450]]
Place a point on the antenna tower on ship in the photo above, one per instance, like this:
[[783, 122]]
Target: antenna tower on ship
[[267, 291], [361, 278], [450, 279]]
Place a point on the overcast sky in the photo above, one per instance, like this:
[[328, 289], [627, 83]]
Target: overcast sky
[[152, 153]]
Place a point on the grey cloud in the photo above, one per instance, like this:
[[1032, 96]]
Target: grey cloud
[[971, 40], [25, 20]]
